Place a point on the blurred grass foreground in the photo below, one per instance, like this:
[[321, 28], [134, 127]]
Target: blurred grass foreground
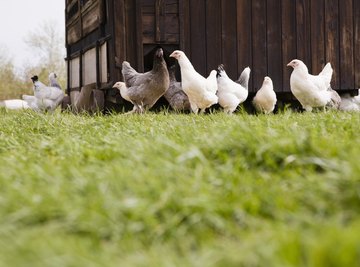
[[179, 190]]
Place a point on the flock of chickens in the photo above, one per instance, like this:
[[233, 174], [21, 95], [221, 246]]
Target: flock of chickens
[[196, 93], [45, 98]]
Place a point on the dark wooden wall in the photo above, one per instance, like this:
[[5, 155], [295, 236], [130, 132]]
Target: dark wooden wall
[[267, 34], [262, 34]]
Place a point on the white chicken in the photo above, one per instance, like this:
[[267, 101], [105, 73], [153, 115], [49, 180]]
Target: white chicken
[[265, 98], [350, 103], [231, 93], [14, 104], [121, 86], [46, 98], [201, 91], [312, 91], [31, 101]]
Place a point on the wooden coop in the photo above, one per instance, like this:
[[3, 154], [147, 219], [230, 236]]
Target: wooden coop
[[262, 34]]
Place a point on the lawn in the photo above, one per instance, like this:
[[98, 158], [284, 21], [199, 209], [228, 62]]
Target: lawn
[[179, 190]]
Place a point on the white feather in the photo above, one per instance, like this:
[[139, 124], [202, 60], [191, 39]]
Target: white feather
[[201, 91], [231, 93], [47, 98], [311, 90], [265, 98], [14, 104]]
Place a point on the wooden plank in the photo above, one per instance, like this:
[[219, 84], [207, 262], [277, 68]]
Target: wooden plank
[[198, 36], [172, 6], [213, 34], [72, 11], [244, 37], [259, 42], [130, 33], [357, 43], [229, 41], [184, 17], [172, 29], [74, 31], [274, 53], [318, 54], [332, 39], [138, 37], [90, 18], [346, 45], [148, 26], [117, 49], [160, 21], [303, 32], [288, 40]]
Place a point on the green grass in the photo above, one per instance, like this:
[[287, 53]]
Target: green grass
[[179, 190]]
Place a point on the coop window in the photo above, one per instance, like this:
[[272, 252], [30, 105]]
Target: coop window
[[103, 63], [74, 72], [89, 67]]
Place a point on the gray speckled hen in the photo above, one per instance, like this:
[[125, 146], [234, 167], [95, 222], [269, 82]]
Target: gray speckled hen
[[144, 89], [176, 97]]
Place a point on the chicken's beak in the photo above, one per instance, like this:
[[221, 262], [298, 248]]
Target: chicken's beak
[[290, 64], [172, 55]]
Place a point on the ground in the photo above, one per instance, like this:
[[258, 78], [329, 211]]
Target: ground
[[179, 190]]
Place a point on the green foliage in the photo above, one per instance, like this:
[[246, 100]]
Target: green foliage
[[179, 190], [47, 44], [10, 85]]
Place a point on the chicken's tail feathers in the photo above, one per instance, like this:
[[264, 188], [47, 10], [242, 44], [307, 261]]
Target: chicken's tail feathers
[[128, 73], [220, 70], [335, 99], [244, 78], [326, 73]]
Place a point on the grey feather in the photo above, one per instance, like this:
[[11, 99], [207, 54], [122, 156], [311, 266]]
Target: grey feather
[[144, 89], [244, 78], [53, 82], [176, 97]]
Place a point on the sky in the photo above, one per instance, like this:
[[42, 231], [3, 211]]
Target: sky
[[19, 17]]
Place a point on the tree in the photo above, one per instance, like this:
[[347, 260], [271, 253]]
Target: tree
[[11, 86], [48, 42]]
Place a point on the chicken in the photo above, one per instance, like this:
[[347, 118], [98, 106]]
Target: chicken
[[231, 93], [265, 98], [46, 98], [53, 80], [144, 89], [176, 97], [121, 86], [200, 91], [31, 101], [350, 103], [14, 104], [312, 91]]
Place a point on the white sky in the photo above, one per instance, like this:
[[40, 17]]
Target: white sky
[[19, 17]]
